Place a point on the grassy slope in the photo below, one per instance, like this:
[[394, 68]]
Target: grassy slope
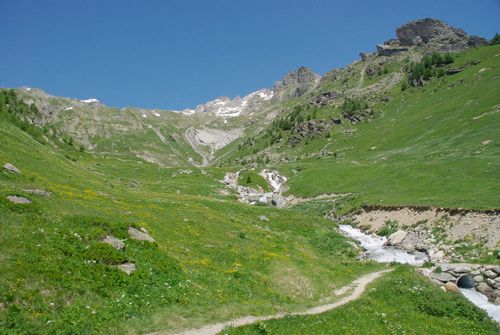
[[213, 258], [428, 145], [402, 302]]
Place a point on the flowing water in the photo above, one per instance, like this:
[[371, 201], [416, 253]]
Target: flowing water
[[376, 250]]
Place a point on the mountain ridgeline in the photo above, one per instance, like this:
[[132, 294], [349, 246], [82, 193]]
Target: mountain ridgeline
[[199, 136]]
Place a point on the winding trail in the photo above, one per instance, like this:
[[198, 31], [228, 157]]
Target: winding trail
[[358, 286]]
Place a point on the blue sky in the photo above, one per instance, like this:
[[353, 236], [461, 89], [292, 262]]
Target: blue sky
[[177, 54]]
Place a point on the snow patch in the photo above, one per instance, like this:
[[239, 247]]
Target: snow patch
[[90, 101]]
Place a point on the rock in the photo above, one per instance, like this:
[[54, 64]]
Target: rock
[[451, 287], [436, 255], [264, 218], [40, 193], [485, 289], [475, 272], [278, 200], [443, 277], [496, 301], [443, 288], [456, 268], [496, 269], [295, 83], [128, 268], [18, 200], [478, 279], [364, 56], [11, 168], [490, 274], [397, 237], [434, 34], [490, 282], [114, 242], [139, 235]]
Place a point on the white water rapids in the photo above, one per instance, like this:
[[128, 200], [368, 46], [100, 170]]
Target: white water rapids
[[377, 251]]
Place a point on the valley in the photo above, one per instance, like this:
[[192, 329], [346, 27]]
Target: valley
[[352, 201]]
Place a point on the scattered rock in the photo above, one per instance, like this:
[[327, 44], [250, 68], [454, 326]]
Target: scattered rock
[[490, 274], [485, 289], [18, 200], [139, 235], [443, 288], [478, 279], [128, 268], [397, 237], [496, 269], [443, 277], [451, 287], [114, 242], [40, 193], [11, 168], [486, 142], [264, 218]]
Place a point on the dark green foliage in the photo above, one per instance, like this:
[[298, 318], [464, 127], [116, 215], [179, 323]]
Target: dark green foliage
[[428, 67], [495, 39], [388, 228]]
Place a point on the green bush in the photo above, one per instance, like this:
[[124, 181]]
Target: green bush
[[105, 254]]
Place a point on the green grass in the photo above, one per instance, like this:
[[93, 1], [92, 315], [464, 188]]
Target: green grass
[[401, 302], [427, 147], [253, 179], [213, 258]]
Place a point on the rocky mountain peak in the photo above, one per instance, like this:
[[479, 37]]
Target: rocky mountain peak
[[435, 34], [295, 83]]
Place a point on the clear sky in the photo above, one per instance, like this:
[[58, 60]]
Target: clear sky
[[177, 54]]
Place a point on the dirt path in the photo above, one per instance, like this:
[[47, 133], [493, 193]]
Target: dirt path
[[359, 286]]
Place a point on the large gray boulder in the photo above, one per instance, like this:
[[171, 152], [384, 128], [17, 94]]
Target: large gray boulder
[[18, 200], [128, 268], [11, 168], [136, 234], [397, 237], [114, 242], [443, 277]]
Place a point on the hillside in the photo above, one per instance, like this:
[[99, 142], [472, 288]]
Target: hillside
[[130, 221]]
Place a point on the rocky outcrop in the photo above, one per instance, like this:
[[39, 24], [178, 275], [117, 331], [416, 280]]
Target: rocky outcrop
[[324, 98], [114, 242], [138, 235], [295, 83], [128, 268], [40, 193], [11, 168], [15, 199], [435, 34]]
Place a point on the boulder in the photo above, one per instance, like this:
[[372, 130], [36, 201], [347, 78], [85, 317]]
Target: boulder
[[478, 279], [128, 268], [18, 200], [138, 235], [443, 277], [40, 193], [114, 242], [451, 287], [485, 289], [11, 168], [496, 269], [397, 237], [490, 274]]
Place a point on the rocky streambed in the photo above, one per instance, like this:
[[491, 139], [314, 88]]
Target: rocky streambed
[[480, 284]]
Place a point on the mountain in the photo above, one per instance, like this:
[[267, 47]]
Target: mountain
[[132, 220]]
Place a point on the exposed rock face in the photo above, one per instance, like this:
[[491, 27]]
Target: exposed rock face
[[114, 242], [296, 83], [324, 98], [18, 200], [136, 234], [435, 34], [11, 168]]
